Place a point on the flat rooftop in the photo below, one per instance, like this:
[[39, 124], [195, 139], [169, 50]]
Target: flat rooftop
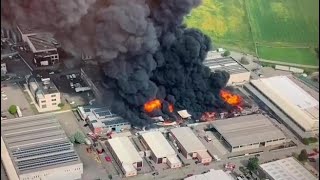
[[292, 99], [100, 116], [29, 29], [158, 144], [235, 130], [43, 41], [212, 174], [37, 143], [287, 169], [45, 87], [227, 64], [125, 150], [188, 139]]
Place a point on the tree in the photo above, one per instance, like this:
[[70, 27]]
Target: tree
[[61, 105], [226, 53], [303, 156], [244, 61], [13, 109], [110, 176], [72, 139], [79, 137], [305, 141], [253, 164]]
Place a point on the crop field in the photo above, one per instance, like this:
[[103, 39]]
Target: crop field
[[270, 29]]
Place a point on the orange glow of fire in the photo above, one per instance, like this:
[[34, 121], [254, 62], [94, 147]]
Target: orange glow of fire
[[232, 99], [152, 105], [171, 108]]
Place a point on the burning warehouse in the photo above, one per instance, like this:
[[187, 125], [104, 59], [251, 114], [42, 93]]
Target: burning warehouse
[[145, 52]]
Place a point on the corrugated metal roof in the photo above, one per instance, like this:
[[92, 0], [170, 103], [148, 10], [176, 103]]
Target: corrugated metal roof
[[125, 150], [235, 130], [188, 139], [37, 143], [290, 98], [158, 144], [287, 169]]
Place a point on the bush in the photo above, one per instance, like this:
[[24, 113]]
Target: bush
[[253, 164], [244, 61], [305, 141], [312, 140], [72, 139], [79, 138], [61, 105], [226, 53], [303, 156], [13, 109]]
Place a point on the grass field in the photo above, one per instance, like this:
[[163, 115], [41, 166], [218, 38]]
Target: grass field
[[262, 27]]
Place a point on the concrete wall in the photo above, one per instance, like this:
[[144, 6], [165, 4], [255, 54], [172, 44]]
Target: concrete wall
[[239, 78], [256, 146], [71, 172]]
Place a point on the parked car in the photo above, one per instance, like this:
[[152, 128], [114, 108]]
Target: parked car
[[108, 159], [189, 175]]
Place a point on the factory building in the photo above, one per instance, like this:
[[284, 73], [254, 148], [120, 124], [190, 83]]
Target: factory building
[[212, 174], [42, 45], [126, 155], [238, 73], [36, 147], [299, 106], [234, 132], [44, 93], [161, 150], [288, 168], [102, 120], [191, 147]]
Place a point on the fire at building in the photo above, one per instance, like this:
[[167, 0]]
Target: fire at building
[[152, 63]]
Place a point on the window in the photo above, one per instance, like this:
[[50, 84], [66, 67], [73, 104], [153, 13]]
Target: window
[[53, 104], [53, 95], [44, 106], [53, 99], [44, 101]]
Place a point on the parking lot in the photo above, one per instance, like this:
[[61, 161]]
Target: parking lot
[[11, 94]]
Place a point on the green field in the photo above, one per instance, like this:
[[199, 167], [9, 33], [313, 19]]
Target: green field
[[262, 27]]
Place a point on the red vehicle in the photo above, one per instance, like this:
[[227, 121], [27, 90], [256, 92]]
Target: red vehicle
[[312, 154], [108, 159]]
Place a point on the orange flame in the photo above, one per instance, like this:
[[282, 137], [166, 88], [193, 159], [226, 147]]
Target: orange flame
[[171, 108], [232, 99], [152, 105]]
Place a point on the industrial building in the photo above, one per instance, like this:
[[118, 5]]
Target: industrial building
[[42, 45], [212, 174], [288, 168], [234, 132], [44, 93], [36, 147], [190, 145], [238, 73], [126, 155], [297, 104], [101, 119], [161, 150]]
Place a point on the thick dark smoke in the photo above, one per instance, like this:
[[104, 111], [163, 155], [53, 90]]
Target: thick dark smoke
[[145, 51]]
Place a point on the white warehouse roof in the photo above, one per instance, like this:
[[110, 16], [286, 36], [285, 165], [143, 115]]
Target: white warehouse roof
[[292, 99], [212, 174], [125, 150], [188, 139], [235, 130], [158, 144], [287, 169]]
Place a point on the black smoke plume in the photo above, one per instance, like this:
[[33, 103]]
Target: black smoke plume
[[145, 51]]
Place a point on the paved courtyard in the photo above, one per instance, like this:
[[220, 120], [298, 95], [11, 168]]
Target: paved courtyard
[[12, 94]]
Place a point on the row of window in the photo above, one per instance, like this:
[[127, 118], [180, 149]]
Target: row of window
[[121, 124], [44, 101]]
